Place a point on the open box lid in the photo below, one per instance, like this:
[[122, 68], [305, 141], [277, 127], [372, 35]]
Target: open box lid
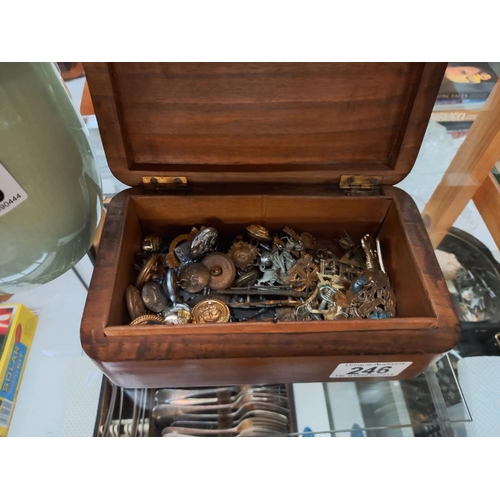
[[263, 122]]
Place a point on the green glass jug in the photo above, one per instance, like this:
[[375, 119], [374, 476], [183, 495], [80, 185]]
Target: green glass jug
[[50, 189]]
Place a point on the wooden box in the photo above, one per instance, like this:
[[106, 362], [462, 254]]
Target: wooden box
[[265, 143]]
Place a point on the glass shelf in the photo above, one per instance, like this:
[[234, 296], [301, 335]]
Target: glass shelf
[[431, 404], [428, 405]]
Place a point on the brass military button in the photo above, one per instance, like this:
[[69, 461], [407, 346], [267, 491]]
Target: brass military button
[[258, 232], [170, 286], [211, 311], [222, 270], [204, 242], [135, 305], [147, 319], [152, 243], [153, 297], [148, 270], [248, 278], [177, 315], [194, 277]]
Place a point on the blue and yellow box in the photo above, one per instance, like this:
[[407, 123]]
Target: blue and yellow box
[[17, 329]]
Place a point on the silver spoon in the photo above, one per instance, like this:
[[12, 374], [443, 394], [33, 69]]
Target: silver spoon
[[248, 423], [275, 418]]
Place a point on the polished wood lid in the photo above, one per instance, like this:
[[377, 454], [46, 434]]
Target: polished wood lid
[[262, 122]]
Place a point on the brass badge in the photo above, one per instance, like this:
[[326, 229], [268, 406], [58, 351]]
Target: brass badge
[[243, 254], [371, 293], [308, 240], [171, 260], [303, 275]]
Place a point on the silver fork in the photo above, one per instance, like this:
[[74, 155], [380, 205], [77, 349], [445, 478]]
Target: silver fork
[[164, 415], [175, 396], [168, 395], [234, 405]]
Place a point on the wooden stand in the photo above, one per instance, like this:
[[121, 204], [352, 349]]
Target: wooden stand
[[469, 177]]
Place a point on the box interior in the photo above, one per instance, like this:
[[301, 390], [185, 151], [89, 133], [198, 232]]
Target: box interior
[[324, 217]]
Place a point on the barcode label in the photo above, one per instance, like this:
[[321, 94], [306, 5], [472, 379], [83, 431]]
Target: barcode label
[[5, 411], [11, 193]]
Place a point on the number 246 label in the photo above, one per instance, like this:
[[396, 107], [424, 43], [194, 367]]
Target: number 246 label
[[362, 370]]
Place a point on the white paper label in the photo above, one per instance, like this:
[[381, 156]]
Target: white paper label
[[362, 370], [11, 193]]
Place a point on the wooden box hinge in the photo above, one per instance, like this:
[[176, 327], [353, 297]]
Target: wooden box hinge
[[361, 185], [160, 183]]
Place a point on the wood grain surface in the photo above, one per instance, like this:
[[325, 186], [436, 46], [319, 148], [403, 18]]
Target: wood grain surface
[[279, 370], [487, 201], [271, 122]]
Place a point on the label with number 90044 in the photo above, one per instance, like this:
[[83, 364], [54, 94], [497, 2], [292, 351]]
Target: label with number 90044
[[361, 370]]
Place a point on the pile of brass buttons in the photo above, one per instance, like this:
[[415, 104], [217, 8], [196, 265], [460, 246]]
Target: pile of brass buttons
[[201, 277]]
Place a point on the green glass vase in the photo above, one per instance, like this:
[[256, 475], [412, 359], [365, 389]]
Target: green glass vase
[[45, 151]]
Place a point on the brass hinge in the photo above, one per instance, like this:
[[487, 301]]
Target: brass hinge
[[361, 185], [159, 183]]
